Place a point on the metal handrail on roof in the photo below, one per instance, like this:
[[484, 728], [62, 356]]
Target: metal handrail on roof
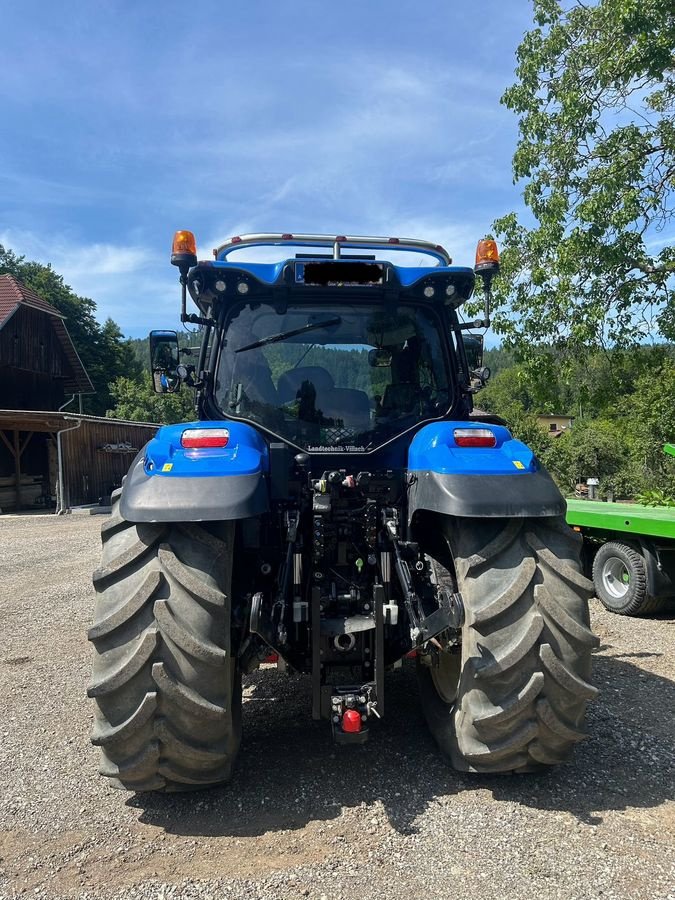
[[336, 241]]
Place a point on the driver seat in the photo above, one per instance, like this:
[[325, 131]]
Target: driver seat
[[289, 383], [401, 399]]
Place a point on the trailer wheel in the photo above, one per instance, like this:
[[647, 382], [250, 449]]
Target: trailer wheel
[[620, 580], [515, 699], [165, 680]]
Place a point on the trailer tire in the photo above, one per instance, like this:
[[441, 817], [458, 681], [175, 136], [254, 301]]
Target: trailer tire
[[521, 685], [620, 580], [165, 680]]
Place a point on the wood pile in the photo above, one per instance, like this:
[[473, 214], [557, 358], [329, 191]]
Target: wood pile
[[31, 489]]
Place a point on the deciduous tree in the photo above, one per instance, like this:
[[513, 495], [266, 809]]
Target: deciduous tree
[[103, 350], [137, 401], [594, 263]]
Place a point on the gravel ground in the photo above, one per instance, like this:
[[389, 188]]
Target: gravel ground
[[303, 818]]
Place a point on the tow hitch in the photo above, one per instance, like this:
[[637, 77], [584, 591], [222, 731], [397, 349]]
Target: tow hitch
[[351, 709]]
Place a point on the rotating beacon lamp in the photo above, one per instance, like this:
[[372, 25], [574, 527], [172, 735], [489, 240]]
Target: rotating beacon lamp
[[487, 266], [184, 255]]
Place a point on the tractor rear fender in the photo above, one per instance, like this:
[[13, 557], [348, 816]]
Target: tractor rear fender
[[503, 480], [170, 483]]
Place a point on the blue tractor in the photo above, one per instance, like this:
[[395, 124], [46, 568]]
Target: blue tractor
[[338, 506]]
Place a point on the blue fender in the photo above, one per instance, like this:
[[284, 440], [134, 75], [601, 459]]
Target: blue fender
[[170, 483], [500, 481]]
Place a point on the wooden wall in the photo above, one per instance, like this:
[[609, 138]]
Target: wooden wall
[[32, 362], [91, 472], [28, 341], [29, 390]]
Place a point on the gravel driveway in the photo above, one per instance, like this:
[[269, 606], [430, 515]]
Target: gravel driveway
[[304, 818]]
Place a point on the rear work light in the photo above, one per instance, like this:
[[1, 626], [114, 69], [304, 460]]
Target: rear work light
[[474, 437], [195, 438]]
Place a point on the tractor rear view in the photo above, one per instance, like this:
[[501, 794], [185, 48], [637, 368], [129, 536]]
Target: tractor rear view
[[337, 505]]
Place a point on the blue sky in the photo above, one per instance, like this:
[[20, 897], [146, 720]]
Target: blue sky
[[122, 122]]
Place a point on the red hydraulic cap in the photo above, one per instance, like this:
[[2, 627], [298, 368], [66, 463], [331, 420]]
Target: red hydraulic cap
[[351, 721]]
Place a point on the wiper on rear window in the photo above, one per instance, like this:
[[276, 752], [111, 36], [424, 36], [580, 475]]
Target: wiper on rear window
[[275, 338]]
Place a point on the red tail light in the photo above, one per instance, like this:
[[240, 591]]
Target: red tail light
[[474, 437], [351, 721], [195, 438]]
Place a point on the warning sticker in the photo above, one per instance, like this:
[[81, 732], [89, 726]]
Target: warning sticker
[[167, 467], [517, 463]]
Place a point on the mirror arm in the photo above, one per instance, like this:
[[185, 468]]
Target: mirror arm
[[184, 315], [197, 320]]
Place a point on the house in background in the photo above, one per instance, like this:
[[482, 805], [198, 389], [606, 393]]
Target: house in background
[[39, 365], [555, 423], [41, 446]]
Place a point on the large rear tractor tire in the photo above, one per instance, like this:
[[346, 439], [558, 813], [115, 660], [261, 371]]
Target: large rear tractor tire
[[165, 680], [514, 699]]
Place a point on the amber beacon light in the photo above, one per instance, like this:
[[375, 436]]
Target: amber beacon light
[[487, 266], [184, 255], [487, 256], [184, 251]]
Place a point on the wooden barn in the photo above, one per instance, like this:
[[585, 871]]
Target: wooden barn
[[39, 366], [42, 447]]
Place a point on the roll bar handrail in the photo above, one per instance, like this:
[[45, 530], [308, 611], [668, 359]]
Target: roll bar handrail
[[335, 241]]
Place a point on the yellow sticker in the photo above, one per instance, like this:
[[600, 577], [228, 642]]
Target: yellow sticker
[[517, 463], [167, 467]]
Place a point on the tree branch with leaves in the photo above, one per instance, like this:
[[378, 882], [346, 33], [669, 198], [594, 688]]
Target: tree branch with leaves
[[594, 263]]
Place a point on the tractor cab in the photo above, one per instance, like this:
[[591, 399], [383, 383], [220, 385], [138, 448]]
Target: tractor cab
[[330, 343]]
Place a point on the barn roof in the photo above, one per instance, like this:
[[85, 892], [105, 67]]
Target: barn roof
[[13, 295]]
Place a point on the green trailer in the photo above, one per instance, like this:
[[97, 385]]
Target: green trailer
[[630, 552]]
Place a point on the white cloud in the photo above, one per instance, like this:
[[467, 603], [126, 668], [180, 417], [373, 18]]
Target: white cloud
[[76, 261], [128, 283]]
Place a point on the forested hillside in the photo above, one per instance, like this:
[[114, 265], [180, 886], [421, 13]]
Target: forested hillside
[[623, 403]]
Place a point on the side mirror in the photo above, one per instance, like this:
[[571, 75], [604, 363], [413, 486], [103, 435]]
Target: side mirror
[[473, 346], [378, 358], [164, 358]]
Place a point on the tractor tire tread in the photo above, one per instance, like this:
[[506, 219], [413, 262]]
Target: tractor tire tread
[[163, 668], [526, 647]]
